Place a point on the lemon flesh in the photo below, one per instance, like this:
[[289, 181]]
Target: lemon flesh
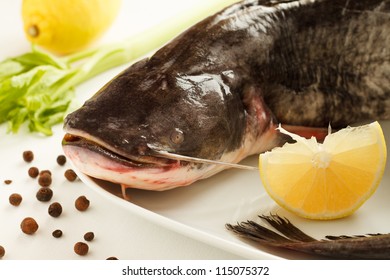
[[326, 180], [64, 27]]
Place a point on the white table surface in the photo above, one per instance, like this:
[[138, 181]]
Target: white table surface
[[117, 232]]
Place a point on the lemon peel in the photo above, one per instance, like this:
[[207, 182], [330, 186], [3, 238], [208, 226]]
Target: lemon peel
[[64, 27], [326, 180]]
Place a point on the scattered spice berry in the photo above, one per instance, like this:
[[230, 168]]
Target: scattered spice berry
[[15, 199], [112, 258], [57, 233], [81, 248], [46, 171], [70, 175], [61, 160], [44, 179], [55, 209], [44, 194], [82, 203], [29, 225], [2, 251], [33, 172], [28, 156], [89, 236], [7, 182]]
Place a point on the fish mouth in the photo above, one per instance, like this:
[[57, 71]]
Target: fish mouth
[[150, 160]]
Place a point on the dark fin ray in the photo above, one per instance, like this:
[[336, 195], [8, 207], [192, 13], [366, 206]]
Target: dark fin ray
[[254, 231], [369, 246], [285, 227]]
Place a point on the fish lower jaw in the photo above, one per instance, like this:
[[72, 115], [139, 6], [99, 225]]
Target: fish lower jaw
[[157, 178]]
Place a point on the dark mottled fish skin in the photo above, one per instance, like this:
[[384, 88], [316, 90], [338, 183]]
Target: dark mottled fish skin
[[370, 246], [237, 74]]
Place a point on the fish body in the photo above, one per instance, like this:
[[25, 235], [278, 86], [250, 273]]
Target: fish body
[[219, 90]]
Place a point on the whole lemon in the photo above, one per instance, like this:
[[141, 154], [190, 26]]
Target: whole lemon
[[66, 26]]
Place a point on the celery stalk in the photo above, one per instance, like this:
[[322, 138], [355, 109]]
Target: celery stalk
[[38, 87]]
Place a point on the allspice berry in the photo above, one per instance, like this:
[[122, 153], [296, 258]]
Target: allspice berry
[[33, 172], [44, 194], [44, 179], [81, 203], [55, 209], [81, 248], [61, 160], [28, 156], [15, 199], [2, 251], [57, 233], [89, 236], [70, 175], [29, 225]]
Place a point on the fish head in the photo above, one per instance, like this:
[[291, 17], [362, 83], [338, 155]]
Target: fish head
[[118, 133]]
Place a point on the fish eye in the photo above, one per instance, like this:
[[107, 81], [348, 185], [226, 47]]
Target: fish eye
[[177, 136]]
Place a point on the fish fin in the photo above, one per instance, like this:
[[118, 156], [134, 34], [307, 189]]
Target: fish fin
[[368, 246], [288, 233], [285, 227], [307, 132]]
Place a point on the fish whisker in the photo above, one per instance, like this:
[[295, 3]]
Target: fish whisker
[[170, 155]]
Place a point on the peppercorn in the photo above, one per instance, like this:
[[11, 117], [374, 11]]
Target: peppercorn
[[112, 258], [44, 194], [33, 172], [89, 236], [70, 175], [28, 156], [61, 160], [57, 233], [55, 209], [2, 251], [82, 203], [81, 248], [29, 225], [44, 179], [15, 199], [7, 182]]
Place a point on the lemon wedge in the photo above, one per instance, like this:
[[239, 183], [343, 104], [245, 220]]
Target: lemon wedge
[[326, 180]]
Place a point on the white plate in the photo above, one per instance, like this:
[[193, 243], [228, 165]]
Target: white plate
[[202, 210]]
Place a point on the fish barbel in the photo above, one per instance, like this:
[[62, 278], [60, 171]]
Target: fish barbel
[[218, 91]]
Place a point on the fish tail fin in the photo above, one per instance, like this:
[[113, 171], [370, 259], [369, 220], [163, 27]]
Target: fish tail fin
[[288, 233], [368, 246]]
